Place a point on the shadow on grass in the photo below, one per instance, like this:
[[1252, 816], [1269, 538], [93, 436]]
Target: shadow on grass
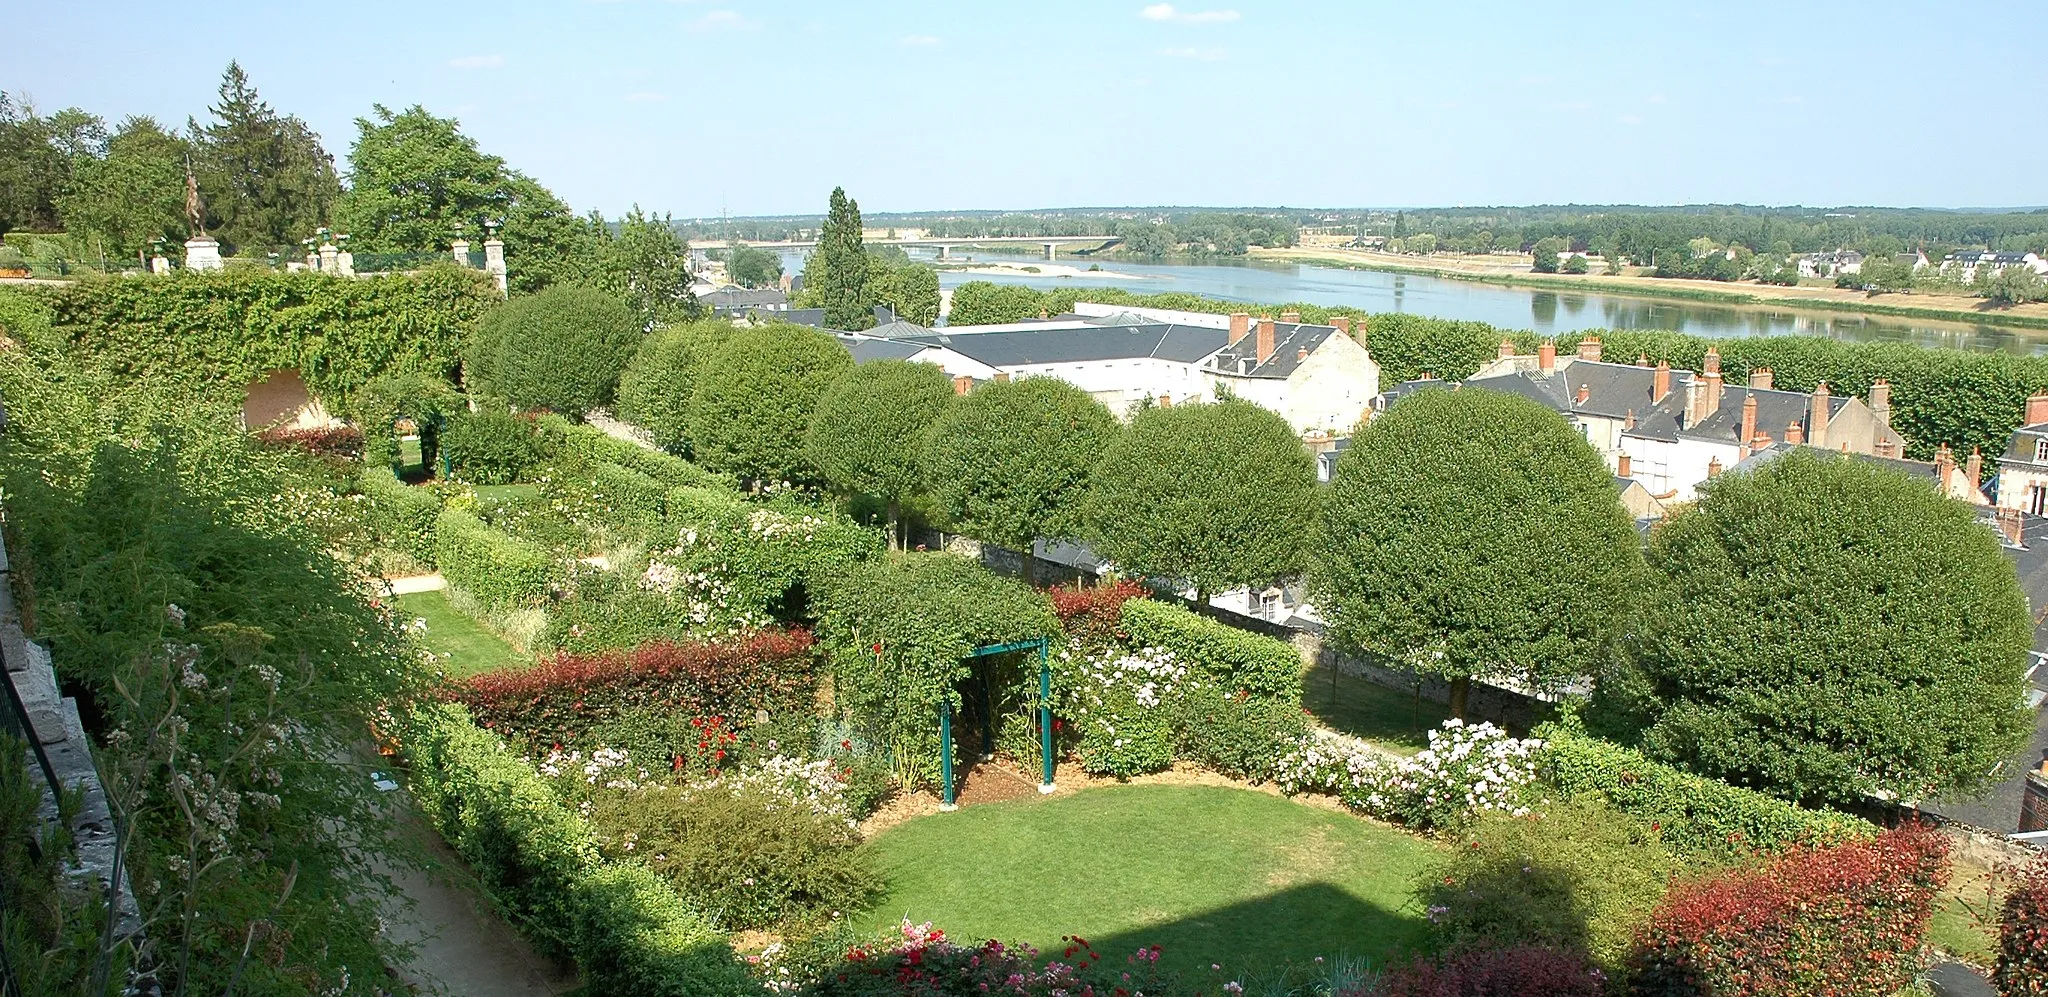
[[1295, 924], [1395, 718]]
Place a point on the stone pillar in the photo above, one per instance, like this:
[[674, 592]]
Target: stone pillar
[[461, 252], [494, 261], [945, 252], [328, 262], [1049, 248], [345, 263], [157, 264], [202, 254]]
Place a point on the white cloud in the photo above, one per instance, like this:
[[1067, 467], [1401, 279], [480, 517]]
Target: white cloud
[[478, 62], [1199, 54], [721, 20], [921, 39], [645, 96], [1167, 12]]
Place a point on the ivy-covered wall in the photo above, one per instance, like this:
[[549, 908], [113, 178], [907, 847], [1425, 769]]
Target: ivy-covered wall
[[213, 333]]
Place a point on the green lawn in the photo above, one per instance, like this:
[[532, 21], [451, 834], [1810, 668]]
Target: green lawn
[[1390, 717], [466, 647], [1213, 875]]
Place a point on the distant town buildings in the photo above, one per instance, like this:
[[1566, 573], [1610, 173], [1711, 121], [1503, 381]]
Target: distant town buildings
[[1968, 264], [1840, 261]]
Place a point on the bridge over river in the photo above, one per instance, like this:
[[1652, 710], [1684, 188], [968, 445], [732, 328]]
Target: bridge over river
[[1050, 243]]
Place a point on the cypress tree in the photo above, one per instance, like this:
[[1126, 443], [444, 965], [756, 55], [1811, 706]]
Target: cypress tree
[[838, 271]]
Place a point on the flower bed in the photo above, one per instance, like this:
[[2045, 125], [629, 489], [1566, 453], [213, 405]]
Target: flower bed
[[1465, 771], [2023, 935]]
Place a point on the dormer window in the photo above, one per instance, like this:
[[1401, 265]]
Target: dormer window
[[2041, 450]]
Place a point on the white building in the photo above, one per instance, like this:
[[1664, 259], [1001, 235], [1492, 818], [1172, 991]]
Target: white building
[[1316, 376], [1840, 261], [1970, 262]]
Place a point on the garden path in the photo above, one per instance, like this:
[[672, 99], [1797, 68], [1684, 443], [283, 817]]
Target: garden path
[[414, 583], [463, 948]]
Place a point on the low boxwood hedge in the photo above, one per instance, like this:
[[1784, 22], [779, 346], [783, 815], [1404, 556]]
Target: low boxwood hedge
[[487, 563], [577, 441], [625, 927], [401, 516]]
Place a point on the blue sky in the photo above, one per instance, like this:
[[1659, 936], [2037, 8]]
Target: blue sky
[[759, 107]]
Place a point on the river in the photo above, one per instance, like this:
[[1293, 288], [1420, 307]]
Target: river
[[1264, 282]]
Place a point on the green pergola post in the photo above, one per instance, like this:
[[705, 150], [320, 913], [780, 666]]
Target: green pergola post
[[946, 802], [1045, 712]]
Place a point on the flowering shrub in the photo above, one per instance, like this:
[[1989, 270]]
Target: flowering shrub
[[918, 959], [1236, 660], [1465, 771], [1842, 921], [569, 700], [332, 441], [1517, 971], [599, 495], [1093, 617], [2022, 969], [1124, 706]]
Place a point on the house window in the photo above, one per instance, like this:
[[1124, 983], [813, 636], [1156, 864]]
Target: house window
[[2041, 450]]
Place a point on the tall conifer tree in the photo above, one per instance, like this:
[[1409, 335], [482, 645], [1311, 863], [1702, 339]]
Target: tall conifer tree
[[837, 275]]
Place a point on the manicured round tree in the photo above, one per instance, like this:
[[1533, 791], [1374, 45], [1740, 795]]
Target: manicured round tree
[[868, 427], [1474, 534], [1009, 463], [656, 387], [559, 349], [754, 398], [1216, 496], [1825, 628]]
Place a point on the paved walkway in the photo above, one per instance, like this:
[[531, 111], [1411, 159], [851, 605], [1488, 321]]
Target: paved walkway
[[463, 949], [414, 583]]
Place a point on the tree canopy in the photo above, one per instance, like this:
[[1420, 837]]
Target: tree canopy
[[1473, 534], [836, 275], [1009, 463], [560, 349], [135, 195], [1216, 496], [754, 399], [982, 302], [656, 387], [648, 265], [749, 266], [266, 179], [1824, 628], [869, 426]]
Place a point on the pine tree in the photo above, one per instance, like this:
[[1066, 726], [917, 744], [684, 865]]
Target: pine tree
[[837, 275], [266, 178]]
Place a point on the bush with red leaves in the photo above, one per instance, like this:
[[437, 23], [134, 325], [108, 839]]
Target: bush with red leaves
[[335, 441], [564, 698], [1093, 615], [1516, 971], [2022, 969], [1843, 921]]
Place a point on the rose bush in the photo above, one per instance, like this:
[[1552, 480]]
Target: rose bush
[[1465, 771]]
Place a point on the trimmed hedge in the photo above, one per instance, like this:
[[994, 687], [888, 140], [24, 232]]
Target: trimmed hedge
[[402, 517], [1693, 810], [1235, 659], [624, 926], [594, 445], [602, 493], [484, 561]]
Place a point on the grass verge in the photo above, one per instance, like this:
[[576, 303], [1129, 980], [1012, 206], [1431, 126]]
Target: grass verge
[[464, 647]]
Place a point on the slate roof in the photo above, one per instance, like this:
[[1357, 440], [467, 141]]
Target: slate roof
[[1613, 391], [727, 299], [1775, 411], [813, 317], [865, 348], [1080, 344], [2020, 448], [1289, 339]]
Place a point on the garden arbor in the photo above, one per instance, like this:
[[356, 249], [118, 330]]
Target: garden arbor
[[948, 792]]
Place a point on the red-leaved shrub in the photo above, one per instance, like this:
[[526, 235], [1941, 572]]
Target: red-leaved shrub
[[2022, 969], [1515, 971], [336, 441], [566, 695], [1842, 921], [1093, 615]]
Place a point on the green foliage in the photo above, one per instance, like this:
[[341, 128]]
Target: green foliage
[[561, 349], [1580, 877], [836, 276], [656, 387], [210, 334], [484, 561], [754, 399], [1695, 813], [1826, 628], [1214, 496], [1009, 463], [577, 441], [1518, 563], [133, 197], [924, 612], [266, 180], [1545, 253], [981, 302], [1576, 264], [867, 432], [603, 495], [646, 265], [752, 267], [1237, 661], [625, 927], [2016, 285], [1240, 735], [425, 400], [746, 857], [911, 290], [401, 516], [51, 934], [491, 447], [224, 653]]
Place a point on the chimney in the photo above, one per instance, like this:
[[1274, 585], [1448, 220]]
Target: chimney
[[1585, 392], [1546, 356], [1795, 433], [1342, 323], [1300, 354], [1713, 467], [1712, 363], [1507, 349], [1265, 340], [1642, 359], [1881, 401], [962, 384], [1944, 463], [1240, 323], [1660, 383], [2037, 408], [1291, 318], [1624, 466], [1760, 442], [1165, 401], [1589, 348], [1819, 419], [1629, 421], [1002, 377], [1884, 448], [1973, 469], [1748, 417], [1760, 377]]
